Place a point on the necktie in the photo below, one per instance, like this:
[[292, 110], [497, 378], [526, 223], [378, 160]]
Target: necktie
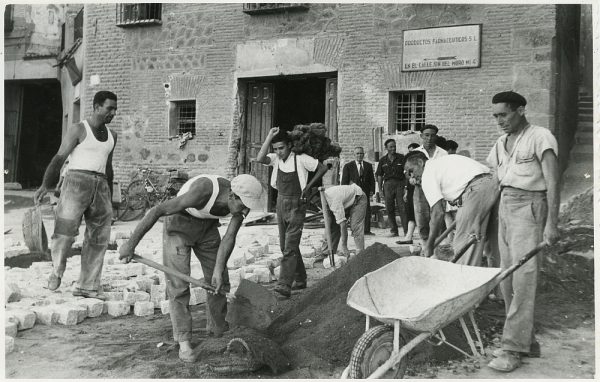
[[360, 170]]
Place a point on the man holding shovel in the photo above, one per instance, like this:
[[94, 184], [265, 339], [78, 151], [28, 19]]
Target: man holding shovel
[[346, 203], [191, 223], [463, 182]]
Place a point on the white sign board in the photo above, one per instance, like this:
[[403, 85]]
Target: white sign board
[[455, 47]]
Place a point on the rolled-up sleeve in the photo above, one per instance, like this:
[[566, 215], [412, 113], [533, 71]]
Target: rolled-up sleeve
[[544, 140]]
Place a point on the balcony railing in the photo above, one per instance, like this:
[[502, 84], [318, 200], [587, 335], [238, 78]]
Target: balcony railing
[[139, 14], [261, 8]]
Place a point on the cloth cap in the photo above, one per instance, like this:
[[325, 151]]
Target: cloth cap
[[510, 97], [249, 190]]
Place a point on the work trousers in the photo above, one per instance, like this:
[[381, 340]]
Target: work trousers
[[290, 221], [473, 216], [522, 218], [355, 215], [394, 202], [422, 212], [182, 234], [83, 194], [367, 223]]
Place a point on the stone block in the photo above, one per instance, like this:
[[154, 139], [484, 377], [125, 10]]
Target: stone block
[[263, 275], [143, 308], [10, 327], [70, 314], [114, 296], [276, 272], [257, 250], [93, 306], [25, 319], [273, 240], [309, 262], [119, 285], [117, 308], [45, 315], [237, 259], [250, 258], [251, 277], [164, 307], [16, 251], [307, 251], [132, 297], [276, 256], [122, 235], [12, 293], [158, 293], [9, 344], [197, 296], [135, 269], [264, 262], [339, 261]]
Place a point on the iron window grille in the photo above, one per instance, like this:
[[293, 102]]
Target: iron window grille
[[258, 8], [182, 117], [139, 14], [407, 111]]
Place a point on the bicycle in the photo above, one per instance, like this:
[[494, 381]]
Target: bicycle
[[144, 192]]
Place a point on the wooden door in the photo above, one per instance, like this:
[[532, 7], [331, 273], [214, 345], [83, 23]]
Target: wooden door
[[331, 108], [13, 102], [258, 123]]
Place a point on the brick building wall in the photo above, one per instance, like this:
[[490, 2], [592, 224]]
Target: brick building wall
[[194, 50]]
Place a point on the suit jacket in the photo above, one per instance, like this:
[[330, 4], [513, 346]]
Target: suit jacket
[[350, 174]]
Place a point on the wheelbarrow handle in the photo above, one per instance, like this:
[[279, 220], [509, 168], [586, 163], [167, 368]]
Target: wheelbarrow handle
[[507, 272], [200, 283]]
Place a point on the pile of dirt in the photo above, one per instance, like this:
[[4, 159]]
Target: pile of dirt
[[579, 209]]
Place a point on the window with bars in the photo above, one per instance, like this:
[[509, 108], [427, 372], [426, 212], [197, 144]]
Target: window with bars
[[258, 8], [182, 117], [139, 14], [407, 111]]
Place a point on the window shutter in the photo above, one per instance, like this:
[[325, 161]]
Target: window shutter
[[172, 119]]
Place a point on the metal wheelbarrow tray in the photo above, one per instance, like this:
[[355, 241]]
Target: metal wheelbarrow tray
[[422, 295]]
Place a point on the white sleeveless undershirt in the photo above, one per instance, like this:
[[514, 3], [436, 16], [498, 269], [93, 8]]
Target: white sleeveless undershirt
[[91, 154], [203, 213]]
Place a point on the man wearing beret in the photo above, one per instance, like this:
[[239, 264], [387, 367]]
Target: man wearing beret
[[526, 160], [191, 223]]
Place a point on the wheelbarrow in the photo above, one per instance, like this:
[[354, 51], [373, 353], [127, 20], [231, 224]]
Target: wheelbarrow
[[420, 295]]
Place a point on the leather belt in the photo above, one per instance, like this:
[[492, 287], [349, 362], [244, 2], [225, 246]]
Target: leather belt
[[458, 201]]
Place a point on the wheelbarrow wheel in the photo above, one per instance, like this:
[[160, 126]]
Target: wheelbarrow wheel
[[372, 349]]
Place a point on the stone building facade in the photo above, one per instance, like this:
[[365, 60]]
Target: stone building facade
[[243, 72]]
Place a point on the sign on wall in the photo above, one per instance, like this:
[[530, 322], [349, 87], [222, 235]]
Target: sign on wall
[[455, 47]]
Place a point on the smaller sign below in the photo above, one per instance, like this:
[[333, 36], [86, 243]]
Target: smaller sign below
[[455, 47]]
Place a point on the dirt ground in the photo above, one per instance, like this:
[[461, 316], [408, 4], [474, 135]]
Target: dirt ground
[[142, 347]]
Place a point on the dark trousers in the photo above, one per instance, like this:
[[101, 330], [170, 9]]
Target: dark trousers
[[422, 212], [368, 215], [394, 202], [290, 221], [181, 234]]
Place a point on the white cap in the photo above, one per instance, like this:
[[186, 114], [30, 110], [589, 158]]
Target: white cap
[[249, 190]]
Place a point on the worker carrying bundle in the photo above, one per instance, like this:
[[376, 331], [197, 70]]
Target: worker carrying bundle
[[312, 140]]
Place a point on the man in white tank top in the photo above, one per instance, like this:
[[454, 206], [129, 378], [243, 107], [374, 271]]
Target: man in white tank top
[[86, 191], [191, 224]]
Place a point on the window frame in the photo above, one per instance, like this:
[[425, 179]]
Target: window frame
[[174, 116], [393, 105], [137, 21]]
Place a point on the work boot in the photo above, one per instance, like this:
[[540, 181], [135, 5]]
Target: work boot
[[53, 281], [187, 355], [534, 351], [283, 290], [299, 285], [89, 294], [506, 362]]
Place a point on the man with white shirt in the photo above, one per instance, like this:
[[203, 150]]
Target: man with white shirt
[[360, 172], [289, 178], [431, 151], [347, 202], [465, 183]]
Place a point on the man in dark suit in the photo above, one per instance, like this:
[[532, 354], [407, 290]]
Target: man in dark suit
[[361, 173]]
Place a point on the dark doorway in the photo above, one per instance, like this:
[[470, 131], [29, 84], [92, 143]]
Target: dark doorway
[[299, 101], [41, 130]]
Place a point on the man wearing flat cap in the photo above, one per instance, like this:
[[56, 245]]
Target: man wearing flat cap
[[526, 161], [191, 222]]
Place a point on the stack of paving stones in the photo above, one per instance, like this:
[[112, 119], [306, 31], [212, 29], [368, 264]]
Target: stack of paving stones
[[130, 288]]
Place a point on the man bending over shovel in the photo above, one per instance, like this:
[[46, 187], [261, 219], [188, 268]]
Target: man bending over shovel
[[464, 183], [191, 223]]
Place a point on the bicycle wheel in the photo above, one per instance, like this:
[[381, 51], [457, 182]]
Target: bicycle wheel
[[136, 201]]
